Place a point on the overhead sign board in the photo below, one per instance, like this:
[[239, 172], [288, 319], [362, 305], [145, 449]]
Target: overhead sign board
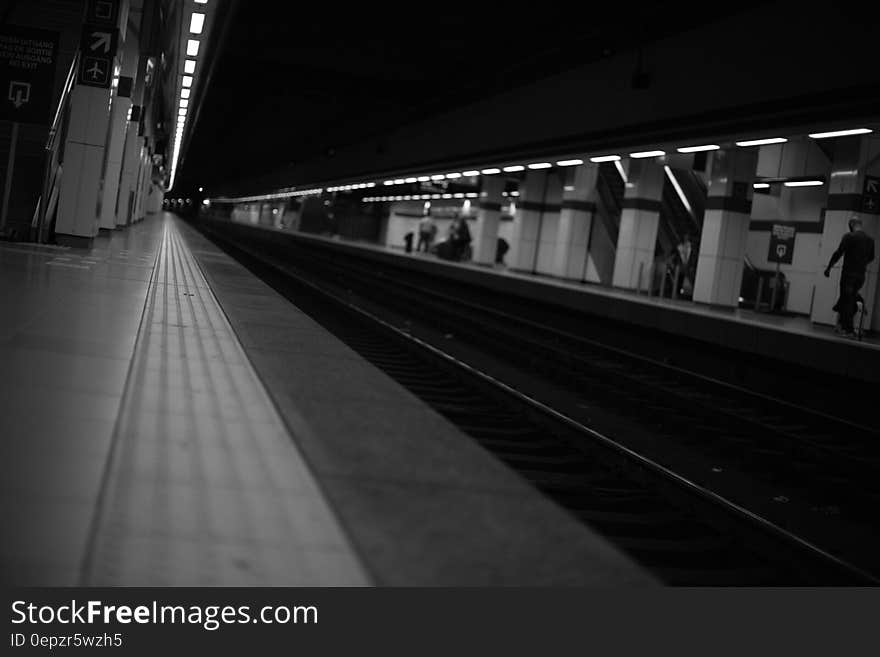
[[781, 244], [97, 49], [28, 59], [871, 195]]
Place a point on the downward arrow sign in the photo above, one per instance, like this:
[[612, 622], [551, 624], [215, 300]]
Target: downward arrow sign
[[103, 39]]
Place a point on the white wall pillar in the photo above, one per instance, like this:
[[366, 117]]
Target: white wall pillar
[[116, 144], [128, 179], [575, 222], [77, 220], [524, 232], [535, 224], [548, 224], [725, 228], [639, 221], [143, 183], [488, 218]]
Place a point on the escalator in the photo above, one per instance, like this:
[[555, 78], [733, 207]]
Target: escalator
[[681, 216], [675, 222], [602, 244]]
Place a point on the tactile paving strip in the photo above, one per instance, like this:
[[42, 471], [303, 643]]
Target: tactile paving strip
[[204, 486]]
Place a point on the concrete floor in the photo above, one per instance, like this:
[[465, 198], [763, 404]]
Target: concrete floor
[[139, 446]]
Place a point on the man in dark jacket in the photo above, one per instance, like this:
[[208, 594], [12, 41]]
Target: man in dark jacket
[[460, 236], [857, 250]]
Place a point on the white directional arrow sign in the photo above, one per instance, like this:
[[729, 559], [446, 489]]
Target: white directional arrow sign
[[19, 93], [872, 186], [101, 40]]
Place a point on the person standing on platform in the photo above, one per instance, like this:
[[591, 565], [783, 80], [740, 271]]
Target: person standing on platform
[[427, 230], [460, 236], [857, 250], [686, 252]]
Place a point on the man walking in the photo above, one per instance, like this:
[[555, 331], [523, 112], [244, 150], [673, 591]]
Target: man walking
[[857, 250]]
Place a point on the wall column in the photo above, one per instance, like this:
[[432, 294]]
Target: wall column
[[115, 146], [725, 228], [119, 119], [128, 179], [488, 217], [548, 224], [575, 222], [88, 128], [639, 221], [532, 242]]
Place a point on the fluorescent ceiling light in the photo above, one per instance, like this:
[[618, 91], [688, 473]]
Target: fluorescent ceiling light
[[678, 190], [471, 173], [762, 142], [192, 47], [371, 184], [411, 180], [189, 66], [201, 2], [453, 176], [605, 158], [184, 102], [490, 172], [196, 23], [184, 93], [398, 181], [186, 81], [515, 167], [569, 163], [761, 185], [840, 133], [438, 176], [647, 154], [803, 183], [539, 165], [388, 183], [697, 149]]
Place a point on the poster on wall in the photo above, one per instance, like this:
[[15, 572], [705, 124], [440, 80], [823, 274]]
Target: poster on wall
[[782, 243]]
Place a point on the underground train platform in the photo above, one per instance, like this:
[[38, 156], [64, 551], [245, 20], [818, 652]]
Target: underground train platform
[[439, 321], [211, 428], [205, 432]]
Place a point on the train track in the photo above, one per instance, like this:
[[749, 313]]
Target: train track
[[681, 531]]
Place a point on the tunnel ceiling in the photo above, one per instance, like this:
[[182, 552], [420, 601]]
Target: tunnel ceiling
[[297, 82]]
